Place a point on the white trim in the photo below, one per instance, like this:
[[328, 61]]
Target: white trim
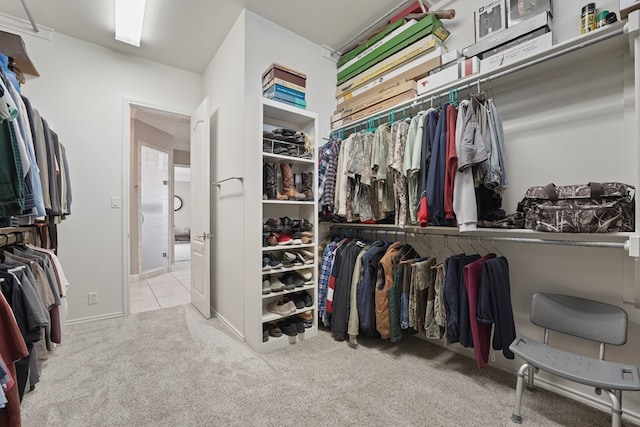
[[127, 104], [226, 323], [16, 25], [94, 318]]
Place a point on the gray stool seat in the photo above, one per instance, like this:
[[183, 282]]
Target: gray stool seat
[[584, 370], [583, 318]]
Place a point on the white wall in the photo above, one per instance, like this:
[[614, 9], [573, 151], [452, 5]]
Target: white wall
[[224, 85], [81, 92]]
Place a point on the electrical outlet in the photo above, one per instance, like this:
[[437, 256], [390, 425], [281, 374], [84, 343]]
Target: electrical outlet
[[93, 298]]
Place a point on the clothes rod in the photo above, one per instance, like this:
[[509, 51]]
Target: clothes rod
[[394, 234], [468, 82]]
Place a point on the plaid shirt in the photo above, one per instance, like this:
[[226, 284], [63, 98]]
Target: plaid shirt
[[323, 280], [327, 169]]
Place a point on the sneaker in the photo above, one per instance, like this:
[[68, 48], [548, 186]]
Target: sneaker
[[283, 307], [297, 279], [276, 284], [306, 237], [297, 300], [287, 281], [288, 328], [306, 299], [295, 258], [272, 240], [266, 287], [273, 329], [269, 262], [306, 257], [284, 239], [296, 239], [299, 324], [306, 275], [272, 224]]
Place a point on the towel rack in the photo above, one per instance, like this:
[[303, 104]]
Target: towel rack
[[217, 183]]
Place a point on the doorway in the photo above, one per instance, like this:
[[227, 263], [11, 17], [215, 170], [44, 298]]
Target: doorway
[[159, 141]]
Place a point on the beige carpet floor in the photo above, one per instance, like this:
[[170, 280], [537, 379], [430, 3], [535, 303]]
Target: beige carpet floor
[[171, 367]]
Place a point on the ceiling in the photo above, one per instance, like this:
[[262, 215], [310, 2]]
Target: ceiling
[[187, 33]]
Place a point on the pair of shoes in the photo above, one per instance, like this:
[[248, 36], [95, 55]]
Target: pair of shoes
[[283, 307], [275, 284], [292, 280], [272, 329], [307, 315], [272, 239], [285, 239], [307, 256], [296, 258], [272, 224], [297, 300], [296, 238], [306, 237], [306, 275], [307, 300], [270, 262], [266, 287], [292, 326]]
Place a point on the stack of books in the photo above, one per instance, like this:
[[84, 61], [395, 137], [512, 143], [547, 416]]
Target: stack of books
[[285, 84], [382, 71]]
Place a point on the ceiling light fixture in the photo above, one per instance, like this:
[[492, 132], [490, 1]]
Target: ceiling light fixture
[[129, 20]]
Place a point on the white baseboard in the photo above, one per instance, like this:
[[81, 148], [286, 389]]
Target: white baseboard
[[227, 324], [93, 318]]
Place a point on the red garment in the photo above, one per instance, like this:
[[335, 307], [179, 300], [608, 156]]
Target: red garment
[[12, 349], [481, 332], [423, 212], [452, 162]]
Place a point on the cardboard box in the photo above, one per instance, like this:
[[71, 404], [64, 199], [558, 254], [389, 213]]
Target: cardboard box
[[389, 103], [451, 56], [519, 10], [284, 73], [368, 99], [444, 76], [496, 39], [370, 42], [428, 58], [415, 72], [628, 6], [517, 53], [425, 46], [284, 83], [427, 25], [469, 66], [490, 18], [298, 103], [514, 42], [413, 8], [283, 92]]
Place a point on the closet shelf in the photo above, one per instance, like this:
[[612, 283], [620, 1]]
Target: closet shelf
[[290, 159], [601, 43], [384, 231], [308, 286], [287, 202], [287, 247], [286, 269], [270, 317]]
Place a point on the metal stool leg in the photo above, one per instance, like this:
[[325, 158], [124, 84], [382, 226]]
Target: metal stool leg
[[616, 407], [515, 417]]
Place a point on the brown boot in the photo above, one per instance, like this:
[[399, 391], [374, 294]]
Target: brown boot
[[307, 186], [288, 183], [279, 196]]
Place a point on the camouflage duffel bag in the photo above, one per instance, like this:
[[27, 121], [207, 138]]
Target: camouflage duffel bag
[[585, 208]]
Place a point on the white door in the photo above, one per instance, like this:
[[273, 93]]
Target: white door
[[200, 212]]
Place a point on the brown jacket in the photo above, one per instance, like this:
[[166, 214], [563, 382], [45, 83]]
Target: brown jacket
[[384, 282]]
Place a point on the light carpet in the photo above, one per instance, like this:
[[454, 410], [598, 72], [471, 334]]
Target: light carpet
[[171, 367]]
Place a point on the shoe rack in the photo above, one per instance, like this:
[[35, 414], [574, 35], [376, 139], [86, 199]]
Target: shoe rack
[[288, 227]]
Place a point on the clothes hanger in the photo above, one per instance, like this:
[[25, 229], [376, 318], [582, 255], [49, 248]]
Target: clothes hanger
[[495, 248]]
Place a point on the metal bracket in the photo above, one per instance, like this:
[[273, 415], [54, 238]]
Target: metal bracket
[[217, 184]]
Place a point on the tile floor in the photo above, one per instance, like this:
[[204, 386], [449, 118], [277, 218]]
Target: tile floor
[[162, 291]]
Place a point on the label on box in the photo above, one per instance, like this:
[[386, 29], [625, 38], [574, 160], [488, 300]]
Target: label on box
[[470, 66], [519, 10], [445, 75], [516, 53], [490, 19]]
